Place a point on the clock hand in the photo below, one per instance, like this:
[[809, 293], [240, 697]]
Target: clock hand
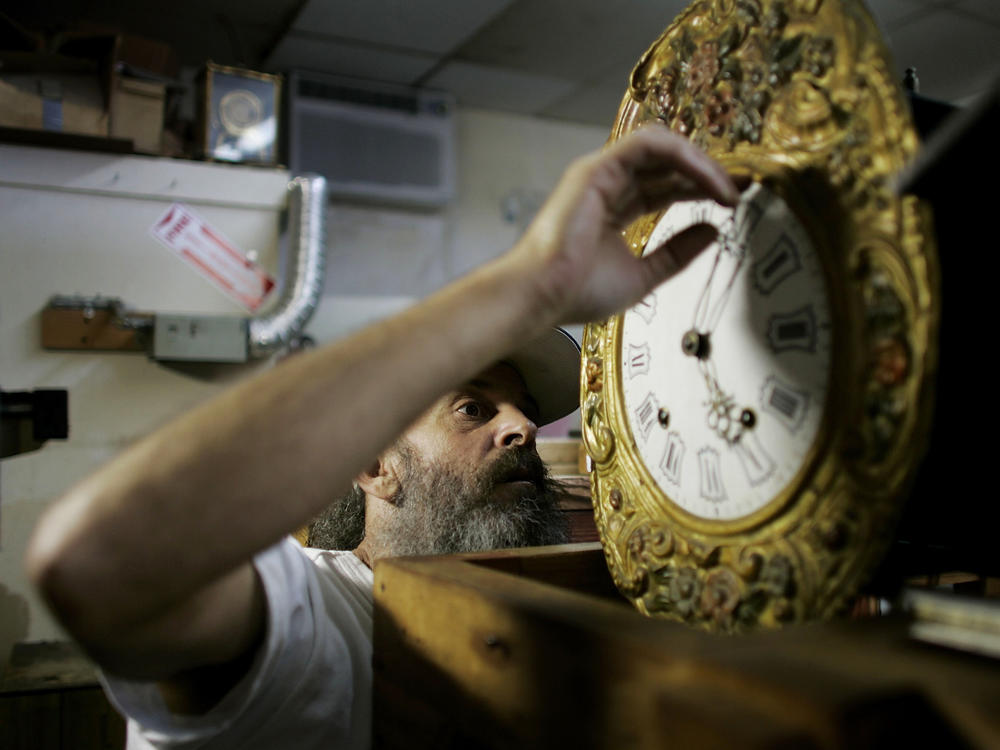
[[701, 309], [720, 304], [696, 341], [724, 418]]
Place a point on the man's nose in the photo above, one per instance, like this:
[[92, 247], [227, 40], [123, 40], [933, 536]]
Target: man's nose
[[515, 428]]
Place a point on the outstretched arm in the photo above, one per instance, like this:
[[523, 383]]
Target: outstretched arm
[[146, 561]]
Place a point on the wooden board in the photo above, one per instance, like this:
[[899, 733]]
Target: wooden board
[[81, 329], [530, 649]]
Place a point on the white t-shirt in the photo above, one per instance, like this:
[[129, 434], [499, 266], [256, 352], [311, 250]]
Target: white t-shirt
[[310, 686]]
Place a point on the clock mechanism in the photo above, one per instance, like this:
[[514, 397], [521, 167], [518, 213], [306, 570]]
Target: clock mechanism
[[755, 422]]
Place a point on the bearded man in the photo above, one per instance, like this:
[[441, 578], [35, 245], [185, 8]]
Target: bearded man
[[438, 504], [170, 564]]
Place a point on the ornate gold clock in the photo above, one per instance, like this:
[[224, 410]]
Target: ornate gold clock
[[755, 421]]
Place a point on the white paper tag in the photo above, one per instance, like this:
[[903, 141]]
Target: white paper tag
[[212, 255]]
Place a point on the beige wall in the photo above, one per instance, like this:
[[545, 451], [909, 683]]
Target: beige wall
[[77, 223]]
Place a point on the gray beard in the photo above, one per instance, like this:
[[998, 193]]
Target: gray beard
[[438, 512]]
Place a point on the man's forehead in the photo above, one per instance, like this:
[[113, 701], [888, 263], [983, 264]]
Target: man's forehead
[[503, 379]]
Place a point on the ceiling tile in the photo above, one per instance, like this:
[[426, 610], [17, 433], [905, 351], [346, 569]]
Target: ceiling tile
[[429, 25], [498, 88], [306, 53], [591, 44], [571, 39], [955, 56], [988, 10], [596, 103]]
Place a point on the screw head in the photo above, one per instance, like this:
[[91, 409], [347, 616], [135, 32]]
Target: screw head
[[695, 344]]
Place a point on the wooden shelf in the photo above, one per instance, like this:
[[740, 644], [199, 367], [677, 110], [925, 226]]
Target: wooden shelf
[[531, 649]]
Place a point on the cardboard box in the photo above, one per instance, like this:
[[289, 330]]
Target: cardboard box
[[91, 82], [74, 103], [137, 112], [61, 102]]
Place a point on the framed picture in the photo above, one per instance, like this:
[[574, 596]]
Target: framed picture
[[239, 115]]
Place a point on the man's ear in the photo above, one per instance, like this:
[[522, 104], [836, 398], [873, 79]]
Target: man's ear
[[380, 480]]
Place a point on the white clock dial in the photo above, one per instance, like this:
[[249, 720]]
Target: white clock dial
[[725, 366]]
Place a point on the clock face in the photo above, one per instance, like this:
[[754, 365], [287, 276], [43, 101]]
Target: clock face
[[725, 367]]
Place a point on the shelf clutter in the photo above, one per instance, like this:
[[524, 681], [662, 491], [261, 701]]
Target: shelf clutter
[[102, 89]]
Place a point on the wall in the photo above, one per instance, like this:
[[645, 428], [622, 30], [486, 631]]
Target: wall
[[384, 255], [69, 226], [76, 223]]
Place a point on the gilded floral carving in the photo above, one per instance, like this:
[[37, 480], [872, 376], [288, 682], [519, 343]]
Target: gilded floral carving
[[719, 83]]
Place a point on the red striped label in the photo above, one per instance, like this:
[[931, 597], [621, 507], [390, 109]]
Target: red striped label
[[212, 255]]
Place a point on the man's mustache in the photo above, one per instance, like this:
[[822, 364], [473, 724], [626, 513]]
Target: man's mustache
[[517, 464]]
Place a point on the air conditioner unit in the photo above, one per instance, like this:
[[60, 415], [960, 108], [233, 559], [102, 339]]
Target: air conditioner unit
[[374, 143]]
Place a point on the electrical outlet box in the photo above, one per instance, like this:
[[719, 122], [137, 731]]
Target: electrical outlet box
[[200, 338]]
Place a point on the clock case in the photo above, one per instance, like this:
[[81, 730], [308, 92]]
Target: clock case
[[238, 115], [800, 96]]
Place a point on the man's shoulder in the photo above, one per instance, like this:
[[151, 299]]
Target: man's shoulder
[[289, 570], [333, 584]]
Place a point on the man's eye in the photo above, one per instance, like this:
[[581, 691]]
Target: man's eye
[[471, 409]]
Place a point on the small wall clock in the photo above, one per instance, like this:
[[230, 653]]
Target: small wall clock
[[755, 421]]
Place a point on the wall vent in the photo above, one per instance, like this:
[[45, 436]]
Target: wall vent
[[374, 143]]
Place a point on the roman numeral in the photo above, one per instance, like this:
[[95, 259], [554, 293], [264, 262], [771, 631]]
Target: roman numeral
[[794, 330], [673, 458], [638, 360], [780, 262], [788, 404], [712, 488], [645, 414], [756, 463], [735, 231], [646, 308]]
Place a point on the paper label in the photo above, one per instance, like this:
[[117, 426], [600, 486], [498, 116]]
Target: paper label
[[212, 255]]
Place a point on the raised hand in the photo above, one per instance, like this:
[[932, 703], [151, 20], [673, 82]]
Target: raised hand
[[578, 258]]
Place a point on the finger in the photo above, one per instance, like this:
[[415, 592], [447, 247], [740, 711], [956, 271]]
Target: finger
[[656, 191], [656, 152], [675, 254]]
